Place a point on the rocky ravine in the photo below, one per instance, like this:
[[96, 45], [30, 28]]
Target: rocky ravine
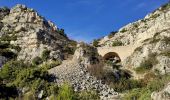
[[28, 34], [75, 72]]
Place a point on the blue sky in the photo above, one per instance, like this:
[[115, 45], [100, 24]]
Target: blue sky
[[85, 20]]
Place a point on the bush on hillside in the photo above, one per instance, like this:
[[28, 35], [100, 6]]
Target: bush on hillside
[[7, 53], [66, 93], [4, 45], [112, 34], [10, 70], [95, 43], [6, 37], [37, 61], [144, 66], [61, 32], [165, 6], [147, 64], [8, 92], [124, 84], [96, 69], [51, 64], [144, 93], [117, 43], [88, 95], [45, 55], [20, 74], [138, 94], [123, 30]]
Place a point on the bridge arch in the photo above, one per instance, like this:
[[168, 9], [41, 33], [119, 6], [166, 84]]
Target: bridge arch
[[112, 56], [122, 51]]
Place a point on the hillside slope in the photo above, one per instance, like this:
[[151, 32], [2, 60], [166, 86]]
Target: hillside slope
[[150, 36]]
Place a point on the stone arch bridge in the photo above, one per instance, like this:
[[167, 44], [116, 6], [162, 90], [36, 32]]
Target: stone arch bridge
[[122, 51]]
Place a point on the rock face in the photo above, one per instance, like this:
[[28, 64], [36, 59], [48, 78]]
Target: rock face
[[150, 36], [87, 54], [33, 34]]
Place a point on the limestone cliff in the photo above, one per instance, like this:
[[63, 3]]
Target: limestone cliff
[[31, 33]]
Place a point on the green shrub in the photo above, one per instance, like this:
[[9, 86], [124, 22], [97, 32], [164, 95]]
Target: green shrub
[[138, 49], [144, 66], [22, 74], [88, 95], [15, 47], [10, 70], [45, 55], [144, 93], [28, 96], [123, 30], [132, 95], [8, 38], [117, 43], [125, 84], [27, 76], [69, 49], [95, 43], [65, 93], [155, 15], [4, 45], [7, 53], [165, 6], [108, 62], [47, 87], [8, 92], [154, 40], [158, 83], [112, 34], [37, 61], [136, 25], [61, 32], [54, 64], [51, 64], [138, 94], [147, 64]]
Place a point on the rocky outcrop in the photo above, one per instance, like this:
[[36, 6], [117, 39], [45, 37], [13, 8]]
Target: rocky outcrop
[[156, 51], [87, 54], [33, 34]]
